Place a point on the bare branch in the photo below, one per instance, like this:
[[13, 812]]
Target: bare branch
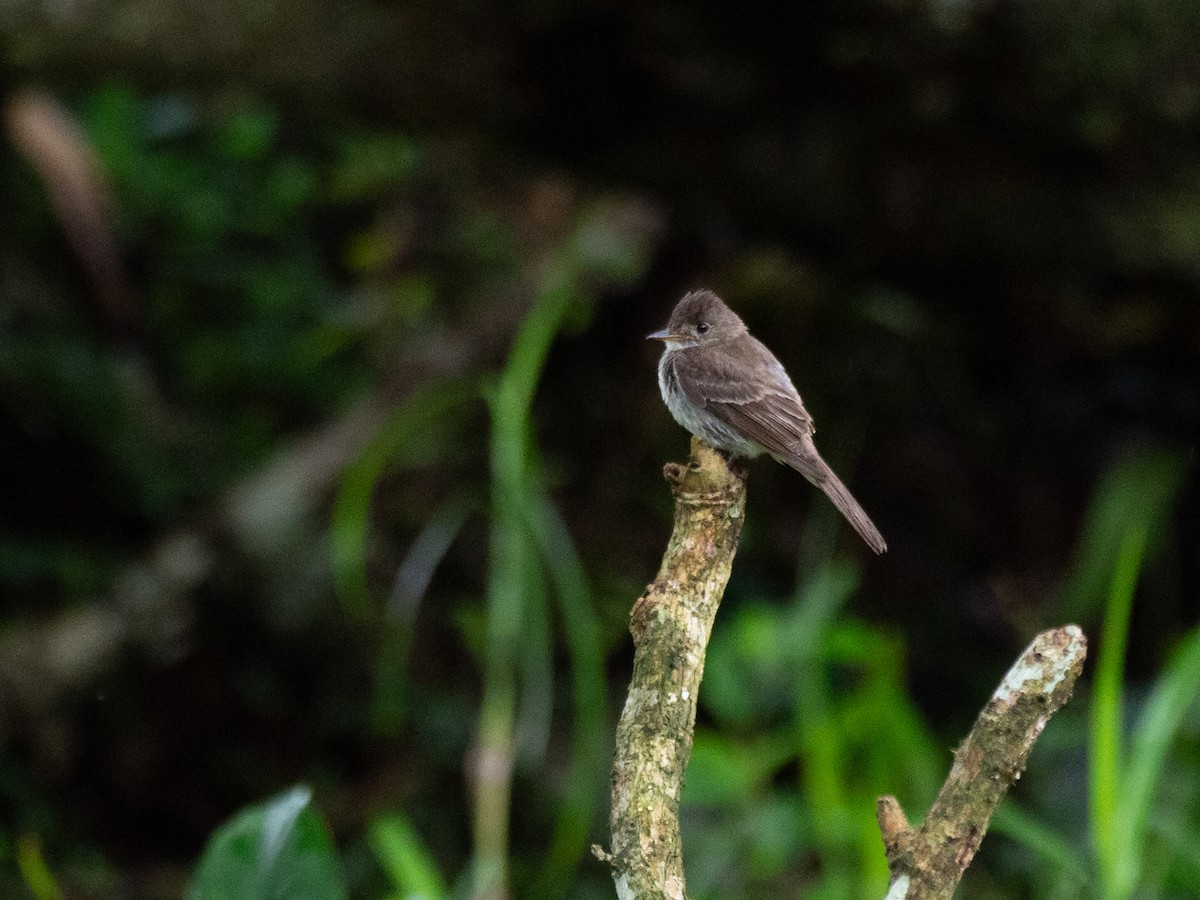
[[927, 862], [671, 623]]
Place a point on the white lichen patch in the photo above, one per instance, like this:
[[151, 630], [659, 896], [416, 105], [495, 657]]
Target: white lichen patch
[[1042, 665], [898, 890]]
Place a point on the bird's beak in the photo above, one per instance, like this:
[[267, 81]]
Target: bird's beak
[[663, 334]]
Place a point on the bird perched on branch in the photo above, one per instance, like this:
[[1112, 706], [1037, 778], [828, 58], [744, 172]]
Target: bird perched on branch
[[726, 388]]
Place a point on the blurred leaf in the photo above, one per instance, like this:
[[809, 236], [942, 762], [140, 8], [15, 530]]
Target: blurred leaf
[[1107, 708], [249, 132], [849, 723], [1135, 493], [110, 115], [747, 657], [1175, 690], [169, 116], [512, 601], [761, 652], [731, 771], [288, 188], [509, 595], [1178, 835], [772, 836], [819, 597], [373, 164], [36, 874], [1013, 821], [425, 554], [610, 242], [1131, 502], [278, 850], [577, 610], [406, 858], [415, 433], [535, 666]]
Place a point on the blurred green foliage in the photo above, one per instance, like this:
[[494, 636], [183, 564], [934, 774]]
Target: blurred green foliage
[[409, 863], [828, 697], [223, 216], [34, 870], [278, 849], [781, 790], [241, 335]]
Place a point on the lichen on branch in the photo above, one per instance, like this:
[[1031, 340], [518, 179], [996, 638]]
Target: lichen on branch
[[671, 622], [927, 862]]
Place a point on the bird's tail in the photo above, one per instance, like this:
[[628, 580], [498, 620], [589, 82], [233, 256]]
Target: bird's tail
[[808, 462]]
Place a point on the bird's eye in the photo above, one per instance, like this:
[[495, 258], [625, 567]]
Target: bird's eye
[[701, 328]]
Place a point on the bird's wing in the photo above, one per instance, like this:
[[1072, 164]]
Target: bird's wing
[[765, 408]]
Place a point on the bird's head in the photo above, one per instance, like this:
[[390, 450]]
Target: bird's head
[[701, 317]]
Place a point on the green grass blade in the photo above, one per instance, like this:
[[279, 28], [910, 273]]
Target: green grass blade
[[1177, 833], [1136, 491], [1021, 826], [389, 703], [535, 665], [415, 433], [820, 743], [510, 551], [1113, 857], [34, 871], [1174, 692], [588, 770], [428, 550], [819, 598], [608, 243], [406, 859]]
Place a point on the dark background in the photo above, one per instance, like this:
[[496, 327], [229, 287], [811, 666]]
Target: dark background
[[249, 249]]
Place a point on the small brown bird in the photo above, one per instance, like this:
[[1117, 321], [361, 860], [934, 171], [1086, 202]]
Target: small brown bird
[[725, 387]]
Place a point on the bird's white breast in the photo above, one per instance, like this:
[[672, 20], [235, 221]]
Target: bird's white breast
[[698, 420]]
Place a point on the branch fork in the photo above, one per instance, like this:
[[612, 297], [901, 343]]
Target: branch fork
[[671, 623]]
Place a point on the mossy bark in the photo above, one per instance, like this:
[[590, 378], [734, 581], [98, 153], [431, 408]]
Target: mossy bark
[[927, 863], [671, 623]]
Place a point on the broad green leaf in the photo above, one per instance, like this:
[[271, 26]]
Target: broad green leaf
[[278, 850]]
